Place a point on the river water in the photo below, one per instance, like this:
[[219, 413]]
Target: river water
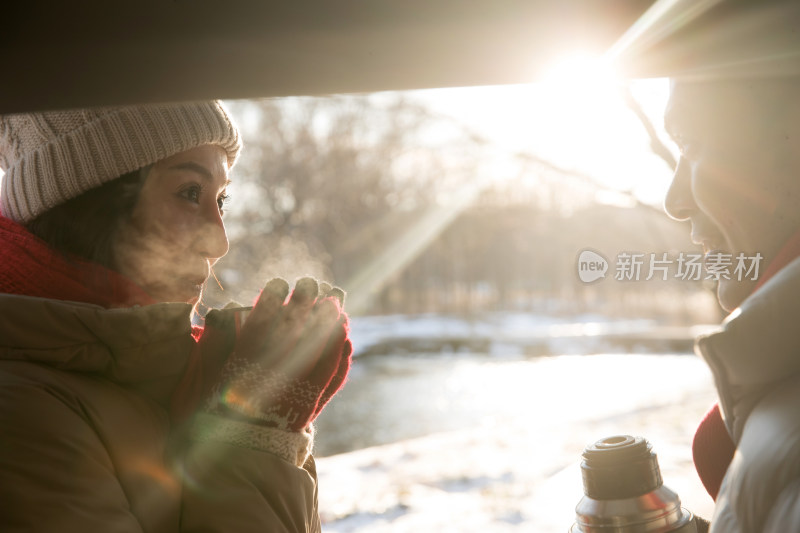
[[491, 440], [473, 442], [390, 398]]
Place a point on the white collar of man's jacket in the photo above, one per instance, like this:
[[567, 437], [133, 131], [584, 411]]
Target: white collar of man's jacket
[[756, 347]]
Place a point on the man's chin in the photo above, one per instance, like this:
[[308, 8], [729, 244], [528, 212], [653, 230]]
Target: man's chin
[[731, 293]]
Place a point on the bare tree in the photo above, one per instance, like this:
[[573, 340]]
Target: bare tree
[[320, 186]]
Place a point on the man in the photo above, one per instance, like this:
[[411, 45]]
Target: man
[[738, 183]]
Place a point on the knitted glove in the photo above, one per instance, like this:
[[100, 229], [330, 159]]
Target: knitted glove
[[289, 359], [213, 345]]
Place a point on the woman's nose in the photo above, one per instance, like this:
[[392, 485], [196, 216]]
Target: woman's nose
[[212, 239], [679, 202]]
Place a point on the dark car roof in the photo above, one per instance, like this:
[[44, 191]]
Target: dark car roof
[[66, 54]]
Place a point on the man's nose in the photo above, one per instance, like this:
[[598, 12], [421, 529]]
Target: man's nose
[[679, 202]]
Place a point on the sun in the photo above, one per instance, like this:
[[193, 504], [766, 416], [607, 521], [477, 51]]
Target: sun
[[581, 68]]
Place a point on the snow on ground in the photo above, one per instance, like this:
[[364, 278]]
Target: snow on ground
[[517, 333], [515, 465], [504, 327], [471, 441]]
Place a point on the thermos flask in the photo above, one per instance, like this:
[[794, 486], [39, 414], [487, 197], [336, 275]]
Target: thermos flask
[[623, 491]]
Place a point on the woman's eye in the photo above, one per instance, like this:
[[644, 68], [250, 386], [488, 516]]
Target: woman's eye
[[192, 193], [221, 201]]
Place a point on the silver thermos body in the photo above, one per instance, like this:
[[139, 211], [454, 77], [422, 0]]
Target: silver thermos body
[[624, 493]]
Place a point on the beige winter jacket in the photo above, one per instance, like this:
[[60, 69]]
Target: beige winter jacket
[[755, 359], [86, 443]]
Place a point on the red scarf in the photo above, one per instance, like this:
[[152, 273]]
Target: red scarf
[[28, 266], [712, 448]]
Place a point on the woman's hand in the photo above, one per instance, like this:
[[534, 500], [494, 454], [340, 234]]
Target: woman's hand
[[289, 359]]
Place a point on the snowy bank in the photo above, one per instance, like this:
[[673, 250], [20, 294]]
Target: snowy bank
[[514, 466]]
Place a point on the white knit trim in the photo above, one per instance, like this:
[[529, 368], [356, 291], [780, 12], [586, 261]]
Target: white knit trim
[[264, 394], [293, 447]]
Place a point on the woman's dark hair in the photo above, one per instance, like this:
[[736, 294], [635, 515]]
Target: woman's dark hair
[[86, 226]]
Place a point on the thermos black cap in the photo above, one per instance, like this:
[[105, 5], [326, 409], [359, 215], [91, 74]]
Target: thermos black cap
[[619, 467]]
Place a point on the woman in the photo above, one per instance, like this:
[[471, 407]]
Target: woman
[[737, 183], [115, 414]]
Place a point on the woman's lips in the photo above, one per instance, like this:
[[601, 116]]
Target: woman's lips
[[193, 278]]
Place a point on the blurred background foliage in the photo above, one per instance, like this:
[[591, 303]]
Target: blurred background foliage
[[412, 212]]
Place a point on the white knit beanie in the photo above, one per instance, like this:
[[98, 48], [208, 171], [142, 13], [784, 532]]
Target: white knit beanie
[[51, 157]]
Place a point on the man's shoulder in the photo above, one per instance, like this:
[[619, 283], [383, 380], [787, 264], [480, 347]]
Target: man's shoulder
[[767, 459]]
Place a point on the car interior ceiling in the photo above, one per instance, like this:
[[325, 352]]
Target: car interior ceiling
[[61, 55]]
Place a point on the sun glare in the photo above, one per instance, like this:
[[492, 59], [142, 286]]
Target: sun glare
[[580, 68]]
